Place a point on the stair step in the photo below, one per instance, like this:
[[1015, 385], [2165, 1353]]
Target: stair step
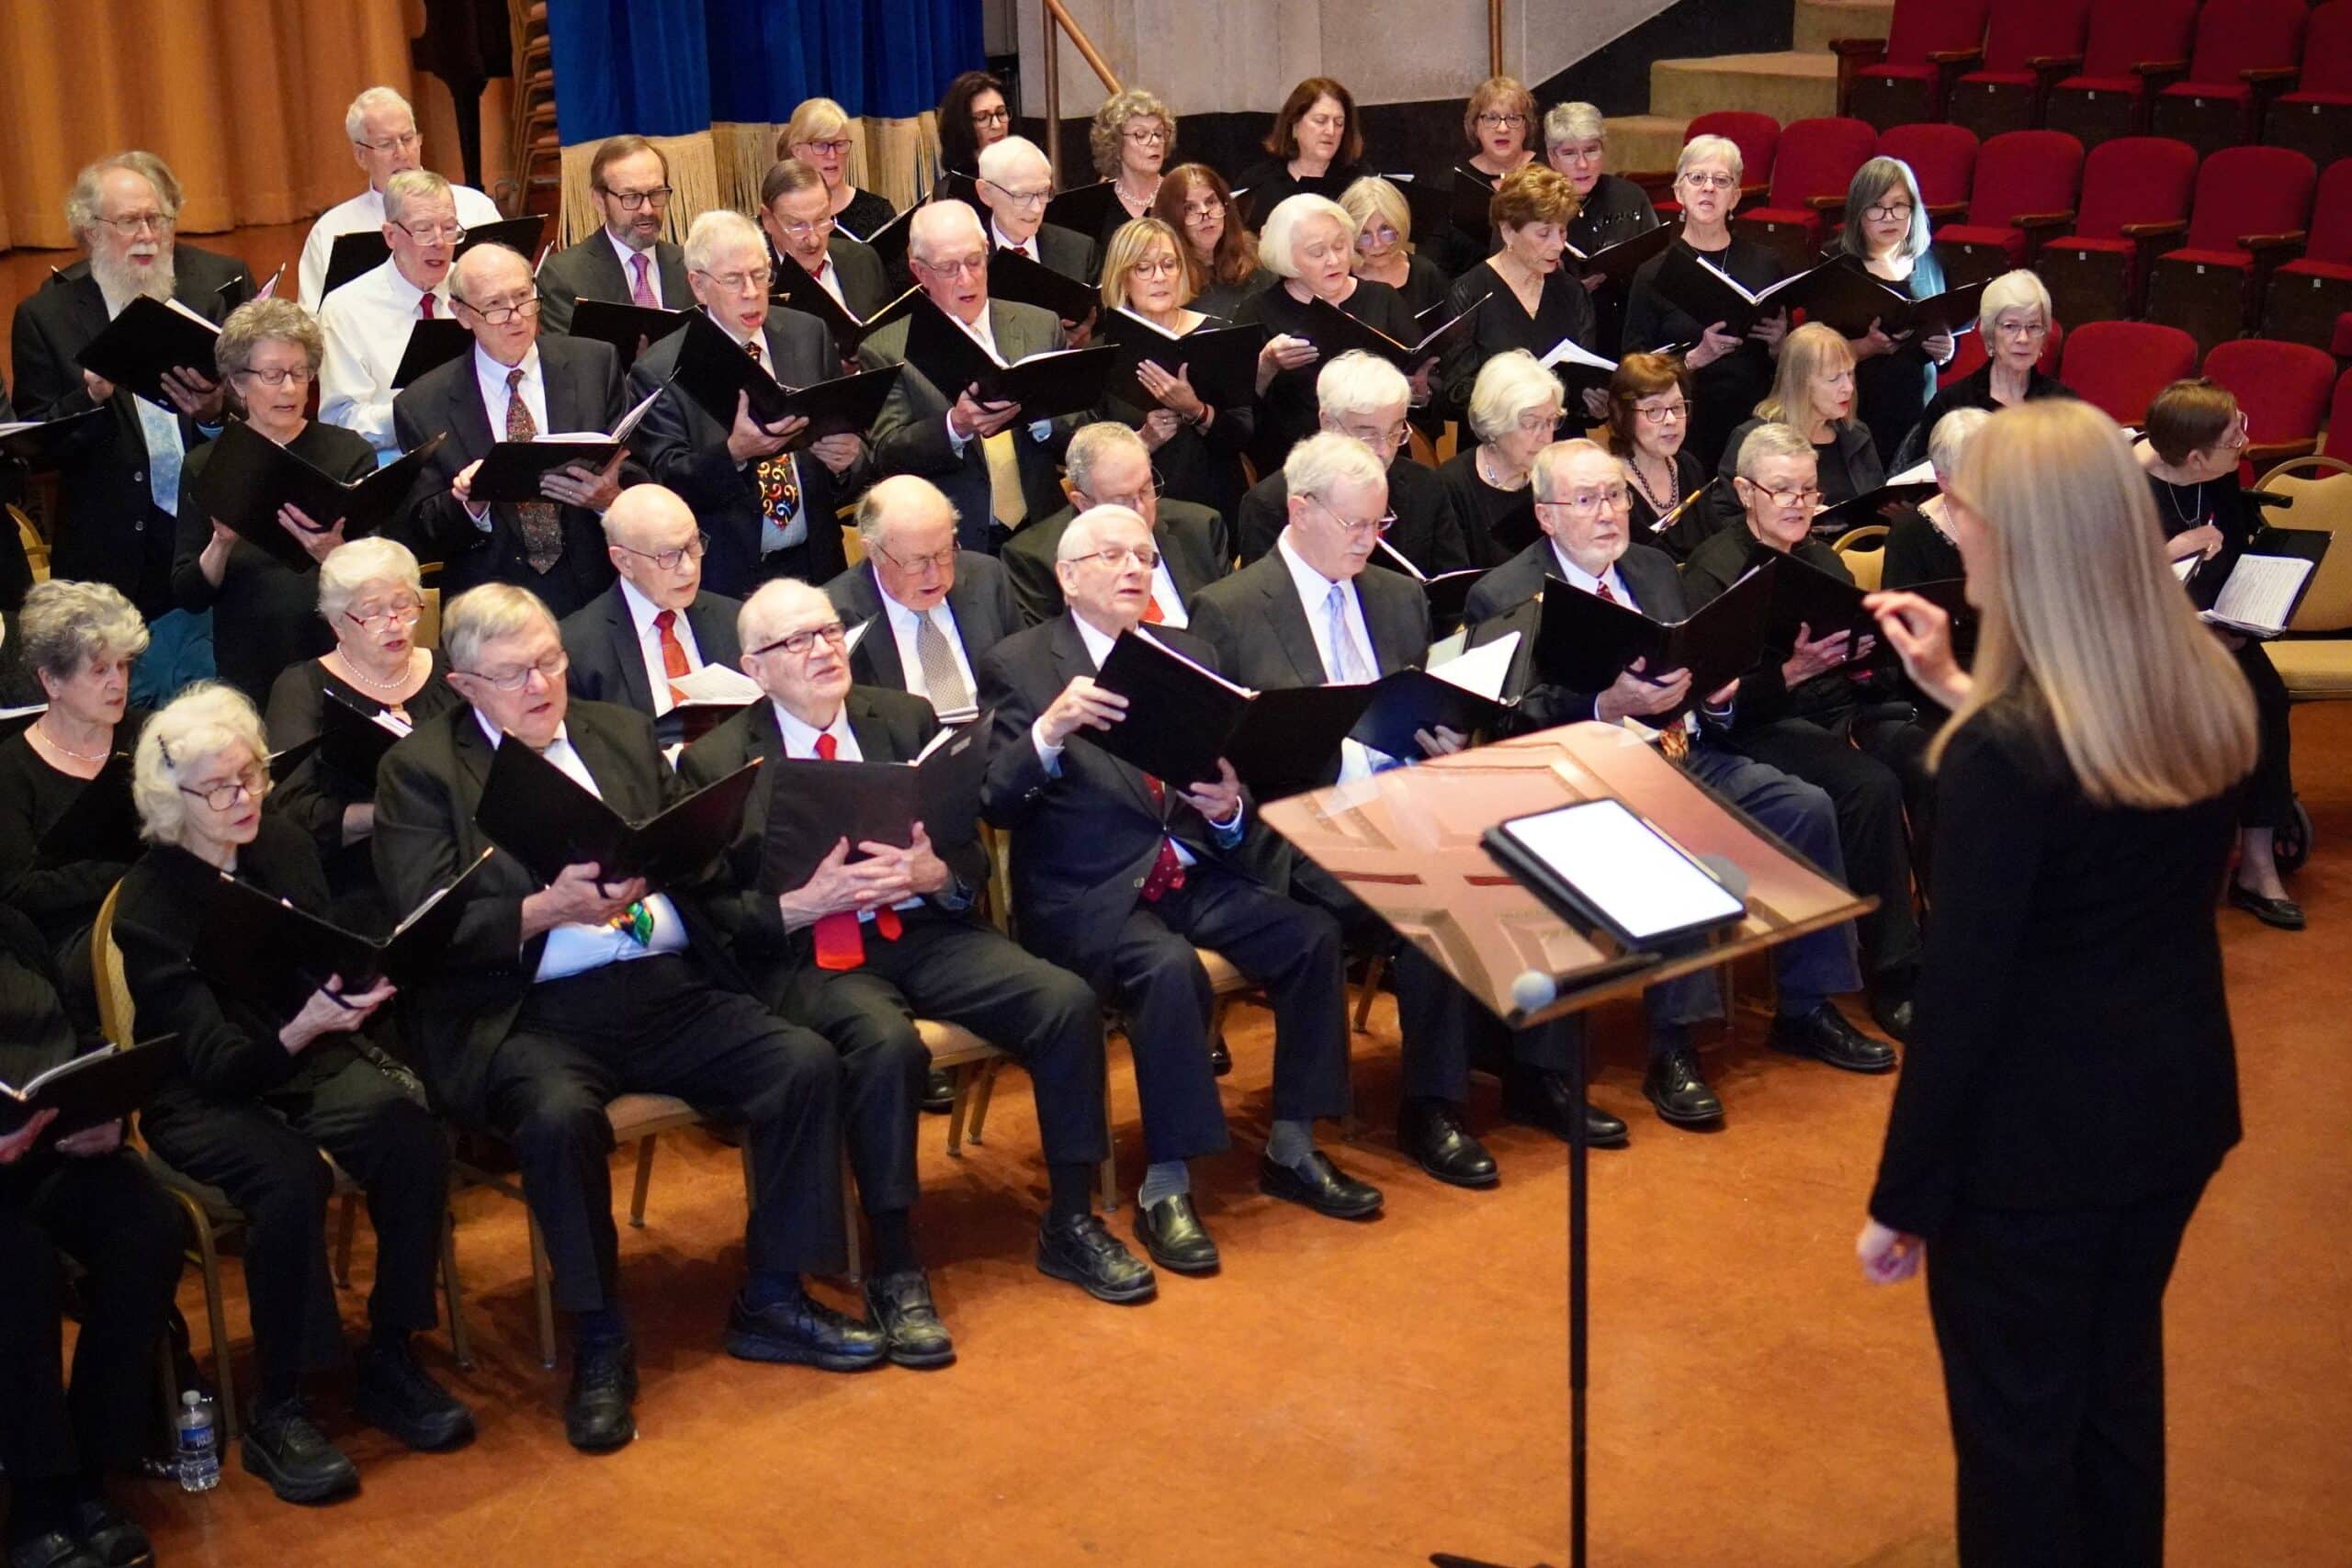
[[1818, 21], [1787, 85], [1644, 141]]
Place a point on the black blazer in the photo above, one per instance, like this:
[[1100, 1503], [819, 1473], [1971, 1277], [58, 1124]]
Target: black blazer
[[1068, 251], [1430, 531], [1193, 538], [1864, 473], [683, 447], [866, 288], [583, 392], [2073, 1046], [890, 726], [1974, 391], [1082, 842], [606, 666], [107, 527], [911, 434], [590, 270], [982, 602]]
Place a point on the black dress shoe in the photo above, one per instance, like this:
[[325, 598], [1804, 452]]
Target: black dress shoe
[[2284, 913], [1826, 1036], [901, 1308], [939, 1091], [110, 1535], [1430, 1132], [55, 1550], [1677, 1091], [1171, 1231], [1083, 1250], [1892, 1015], [1542, 1099], [399, 1395], [282, 1448], [1321, 1186], [1220, 1057], [1602, 1131], [803, 1332], [603, 1384]]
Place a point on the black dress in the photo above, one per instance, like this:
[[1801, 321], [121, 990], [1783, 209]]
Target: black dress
[[1974, 391], [1563, 310], [1287, 412], [1426, 289], [61, 896], [1891, 391], [1266, 185], [1225, 299], [1726, 391], [1916, 552], [866, 212], [1487, 512], [264, 614], [1688, 531], [1615, 211], [1203, 468]]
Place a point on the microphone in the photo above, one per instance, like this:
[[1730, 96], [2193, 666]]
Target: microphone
[[1534, 990]]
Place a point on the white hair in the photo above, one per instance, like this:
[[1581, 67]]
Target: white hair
[[882, 505], [1950, 438], [2008, 292], [486, 613], [1710, 149], [1084, 535], [1574, 123], [1279, 238], [413, 186], [1509, 386], [926, 230], [1544, 476], [1766, 442], [355, 119], [1325, 460], [349, 569], [718, 230], [767, 605], [1001, 161], [463, 270], [66, 626], [1360, 383], [204, 721]]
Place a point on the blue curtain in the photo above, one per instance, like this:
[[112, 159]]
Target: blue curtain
[[672, 67]]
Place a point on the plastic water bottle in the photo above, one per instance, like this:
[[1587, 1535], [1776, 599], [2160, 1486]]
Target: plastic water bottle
[[200, 1445]]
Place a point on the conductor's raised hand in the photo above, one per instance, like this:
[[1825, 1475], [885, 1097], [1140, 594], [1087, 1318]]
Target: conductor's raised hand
[[1083, 704], [1920, 634]]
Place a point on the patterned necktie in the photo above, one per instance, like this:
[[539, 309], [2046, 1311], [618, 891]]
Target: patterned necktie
[[1167, 872], [641, 291], [425, 306], [161, 428], [674, 663], [779, 492], [1602, 590], [1347, 658], [542, 527], [940, 678], [840, 944]]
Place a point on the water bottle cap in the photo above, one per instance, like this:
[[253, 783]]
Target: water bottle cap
[[191, 1397]]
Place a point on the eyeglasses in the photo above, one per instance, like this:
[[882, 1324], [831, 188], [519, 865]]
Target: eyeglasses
[[297, 375], [426, 233], [670, 560], [1382, 235], [807, 230], [550, 670], [1613, 497], [1390, 439], [1201, 212], [833, 148], [404, 612], [999, 116], [1354, 527], [755, 281], [1146, 138], [251, 785], [800, 644], [1118, 556], [963, 266], [1885, 213], [1499, 122], [1708, 182], [1161, 266], [2022, 328], [400, 143], [1024, 200], [1539, 423], [499, 315], [1785, 499], [637, 200], [938, 561], [130, 223], [1134, 501], [1665, 413]]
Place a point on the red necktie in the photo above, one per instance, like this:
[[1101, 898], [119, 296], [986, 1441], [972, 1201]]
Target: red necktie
[[425, 306], [840, 943], [1167, 872], [674, 663], [1602, 589], [1152, 613]]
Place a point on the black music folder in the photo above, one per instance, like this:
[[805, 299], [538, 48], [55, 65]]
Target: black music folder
[[351, 739], [1335, 332], [249, 477], [1059, 381], [1411, 700], [1084, 210], [1845, 296], [713, 367], [1708, 295], [1908, 488], [91, 1089], [1014, 277], [795, 290], [1182, 717], [1618, 263], [629, 328], [39, 441], [364, 250], [1805, 595], [100, 825], [431, 345], [889, 241], [1584, 642], [535, 812], [511, 470], [149, 338], [814, 805], [1222, 361]]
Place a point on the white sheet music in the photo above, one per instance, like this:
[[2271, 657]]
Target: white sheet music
[[2260, 594], [1481, 670]]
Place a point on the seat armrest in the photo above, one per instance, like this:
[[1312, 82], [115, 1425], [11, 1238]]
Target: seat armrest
[[2156, 231]]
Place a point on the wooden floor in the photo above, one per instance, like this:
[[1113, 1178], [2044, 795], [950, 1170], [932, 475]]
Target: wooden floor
[[1366, 1395]]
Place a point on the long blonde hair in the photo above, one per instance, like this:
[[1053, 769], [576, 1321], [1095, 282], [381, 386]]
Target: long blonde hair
[[2080, 609], [1804, 353]]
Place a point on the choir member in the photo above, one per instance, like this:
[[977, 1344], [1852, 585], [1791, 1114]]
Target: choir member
[[972, 114], [819, 135], [936, 609], [1316, 147], [1649, 415], [1220, 252], [1196, 446], [259, 1097], [1498, 124], [798, 229], [381, 129], [1109, 465], [624, 260], [1131, 138], [1385, 252], [368, 321], [1610, 208], [2013, 317], [1532, 302], [1812, 393], [656, 624], [1886, 235], [1920, 547], [1016, 184], [1514, 413]]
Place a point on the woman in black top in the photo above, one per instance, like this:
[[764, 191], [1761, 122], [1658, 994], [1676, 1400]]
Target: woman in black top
[[1531, 303], [261, 1087], [1812, 393], [1196, 446], [1131, 137], [1316, 147], [1220, 252], [1385, 254], [1498, 124], [1613, 210], [1886, 236], [1920, 544], [2073, 1085], [2013, 319], [817, 134], [2196, 435], [372, 599], [972, 114], [1309, 241], [1649, 414], [1732, 374], [1514, 413], [80, 640], [262, 609]]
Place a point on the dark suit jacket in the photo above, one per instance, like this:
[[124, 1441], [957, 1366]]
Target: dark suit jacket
[[428, 789], [590, 270], [982, 602], [583, 392], [1070, 253], [1082, 842], [1507, 600], [683, 447], [1429, 532], [890, 726], [607, 667], [865, 285], [1191, 537], [107, 527], [910, 434]]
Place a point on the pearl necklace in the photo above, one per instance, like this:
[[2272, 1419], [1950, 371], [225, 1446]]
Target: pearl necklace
[[366, 680]]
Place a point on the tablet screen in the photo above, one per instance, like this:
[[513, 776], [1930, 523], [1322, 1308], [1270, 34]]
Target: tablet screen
[[1637, 881]]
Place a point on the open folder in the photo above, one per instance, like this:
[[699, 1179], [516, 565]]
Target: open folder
[[2257, 590], [364, 250], [431, 345], [1335, 332], [629, 328], [352, 740], [1584, 642], [713, 369], [1182, 717], [150, 337], [795, 290], [1805, 595], [1847, 297], [1059, 381], [1709, 295], [1014, 277], [249, 477], [1464, 694], [1621, 261], [533, 811], [1220, 362], [511, 470], [91, 1089], [813, 804], [39, 441]]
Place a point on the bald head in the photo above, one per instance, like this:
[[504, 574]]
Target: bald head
[[948, 253], [809, 680], [908, 527], [655, 544], [493, 281]]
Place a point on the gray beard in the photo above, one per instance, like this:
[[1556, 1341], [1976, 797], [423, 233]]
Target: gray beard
[[116, 282]]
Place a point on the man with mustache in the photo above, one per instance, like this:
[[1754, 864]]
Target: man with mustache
[[626, 260]]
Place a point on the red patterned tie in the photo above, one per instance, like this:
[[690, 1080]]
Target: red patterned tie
[[840, 943], [1602, 589], [424, 308], [1167, 872], [641, 292]]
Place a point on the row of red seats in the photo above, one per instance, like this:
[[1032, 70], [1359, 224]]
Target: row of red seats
[[2215, 74]]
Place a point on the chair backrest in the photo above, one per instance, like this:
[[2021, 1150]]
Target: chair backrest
[[2327, 50], [2249, 190], [1864, 549], [2339, 419], [36, 548], [2281, 387], [2025, 171], [1921, 27], [2020, 31], [1818, 157], [2119, 366], [2248, 35], [428, 620], [2123, 33], [2321, 488], [1757, 137], [1943, 158], [115, 1012], [2134, 179], [2331, 234]]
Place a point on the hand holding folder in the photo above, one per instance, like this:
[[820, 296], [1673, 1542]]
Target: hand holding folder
[[1182, 718], [533, 811], [91, 1089], [814, 805], [1584, 642], [250, 482]]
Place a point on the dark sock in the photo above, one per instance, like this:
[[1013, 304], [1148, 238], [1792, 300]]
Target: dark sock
[[894, 1242], [598, 1325], [1073, 1191], [769, 1287], [1668, 1038], [37, 1505]]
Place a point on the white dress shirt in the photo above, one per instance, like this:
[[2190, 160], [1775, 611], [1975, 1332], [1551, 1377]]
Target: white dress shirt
[[800, 742], [772, 537], [629, 271], [904, 623], [367, 323], [1027, 247], [641, 612], [576, 948], [829, 278], [1357, 760], [489, 376], [366, 212], [1163, 594]]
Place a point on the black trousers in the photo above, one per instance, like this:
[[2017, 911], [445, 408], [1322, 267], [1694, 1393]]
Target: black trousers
[[2052, 1330], [661, 1025], [1868, 796], [106, 1213], [264, 1153], [2269, 798], [960, 971], [1152, 972]]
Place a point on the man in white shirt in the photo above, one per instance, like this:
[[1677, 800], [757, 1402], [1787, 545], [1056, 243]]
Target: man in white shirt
[[626, 260], [656, 626], [1108, 465], [935, 610], [368, 321], [384, 142]]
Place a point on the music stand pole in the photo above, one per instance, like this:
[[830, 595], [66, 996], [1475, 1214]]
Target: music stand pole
[[1578, 1231]]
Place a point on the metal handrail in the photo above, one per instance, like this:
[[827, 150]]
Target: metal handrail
[[1056, 16]]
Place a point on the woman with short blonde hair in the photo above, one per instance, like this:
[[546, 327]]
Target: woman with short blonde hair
[[1196, 446], [819, 134], [1498, 122]]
